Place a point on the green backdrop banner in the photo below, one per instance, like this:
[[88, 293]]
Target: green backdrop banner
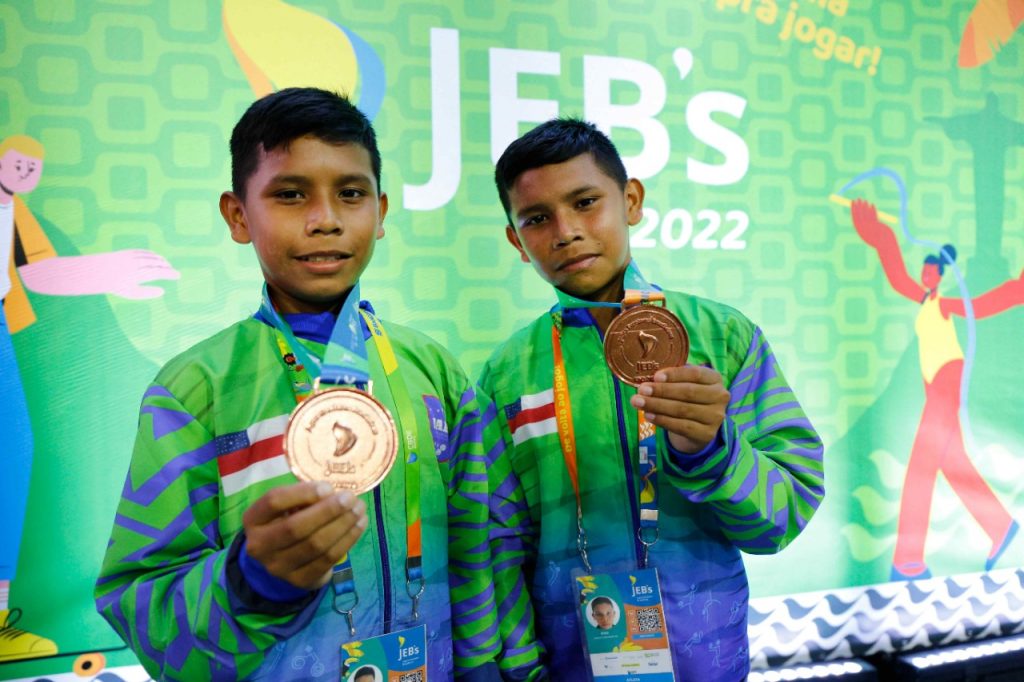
[[752, 123]]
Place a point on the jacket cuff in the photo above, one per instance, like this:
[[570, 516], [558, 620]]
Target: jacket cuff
[[527, 673], [256, 590], [688, 463], [488, 672]]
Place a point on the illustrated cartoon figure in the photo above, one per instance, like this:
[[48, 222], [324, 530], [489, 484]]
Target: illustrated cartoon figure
[[32, 264], [939, 441]]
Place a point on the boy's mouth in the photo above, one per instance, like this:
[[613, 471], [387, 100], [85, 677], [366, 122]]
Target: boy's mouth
[[324, 257], [577, 262]]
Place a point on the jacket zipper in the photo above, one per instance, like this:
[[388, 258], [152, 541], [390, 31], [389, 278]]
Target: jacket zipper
[[627, 460], [384, 560], [627, 456]]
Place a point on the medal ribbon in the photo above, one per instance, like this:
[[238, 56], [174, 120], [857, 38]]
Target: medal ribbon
[[346, 363], [637, 292], [414, 581]]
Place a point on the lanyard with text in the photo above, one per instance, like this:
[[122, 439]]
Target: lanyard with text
[[345, 363], [637, 291]]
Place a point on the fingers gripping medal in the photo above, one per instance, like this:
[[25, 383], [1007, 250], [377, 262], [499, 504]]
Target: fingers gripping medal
[[644, 338], [343, 436]]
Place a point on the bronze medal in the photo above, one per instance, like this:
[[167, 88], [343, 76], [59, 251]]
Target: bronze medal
[[642, 340], [343, 436]]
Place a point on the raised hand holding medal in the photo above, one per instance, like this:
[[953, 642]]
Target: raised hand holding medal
[[647, 346], [346, 438], [325, 522], [689, 402]]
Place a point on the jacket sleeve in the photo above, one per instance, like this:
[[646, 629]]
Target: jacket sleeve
[[513, 544], [165, 584], [474, 612], [763, 474]]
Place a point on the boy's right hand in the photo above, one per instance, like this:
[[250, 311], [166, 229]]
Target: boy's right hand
[[299, 532]]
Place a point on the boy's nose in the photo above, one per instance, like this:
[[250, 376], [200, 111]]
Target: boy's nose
[[566, 231], [323, 218]]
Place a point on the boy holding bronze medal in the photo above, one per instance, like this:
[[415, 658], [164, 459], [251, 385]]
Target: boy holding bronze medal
[[653, 432], [309, 494]]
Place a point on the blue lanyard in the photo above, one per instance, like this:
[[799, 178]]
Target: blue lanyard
[[345, 362]]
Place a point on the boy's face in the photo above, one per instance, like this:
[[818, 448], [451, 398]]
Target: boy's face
[[571, 221], [313, 214], [604, 616], [19, 173]]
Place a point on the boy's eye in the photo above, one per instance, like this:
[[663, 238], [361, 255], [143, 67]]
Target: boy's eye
[[585, 202], [288, 194], [351, 193], [534, 220]]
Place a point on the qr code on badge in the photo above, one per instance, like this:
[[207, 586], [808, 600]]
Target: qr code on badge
[[416, 676], [649, 619]]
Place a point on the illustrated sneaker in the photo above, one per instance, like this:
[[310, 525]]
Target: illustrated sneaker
[[911, 571], [998, 550], [17, 644]]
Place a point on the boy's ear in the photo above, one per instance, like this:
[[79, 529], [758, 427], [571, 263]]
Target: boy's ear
[[382, 208], [634, 195], [233, 212], [513, 239]]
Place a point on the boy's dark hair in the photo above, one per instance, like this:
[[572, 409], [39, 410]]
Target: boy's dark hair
[[556, 141], [600, 600], [277, 119], [363, 672]]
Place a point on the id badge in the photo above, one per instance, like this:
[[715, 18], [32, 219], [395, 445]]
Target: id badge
[[624, 628], [395, 657]]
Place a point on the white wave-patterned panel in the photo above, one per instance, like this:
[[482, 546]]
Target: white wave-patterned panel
[[885, 618]]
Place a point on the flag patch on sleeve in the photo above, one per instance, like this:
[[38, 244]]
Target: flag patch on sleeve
[[531, 416]]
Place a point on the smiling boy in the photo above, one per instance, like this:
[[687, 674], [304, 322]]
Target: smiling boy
[[221, 564], [680, 474]]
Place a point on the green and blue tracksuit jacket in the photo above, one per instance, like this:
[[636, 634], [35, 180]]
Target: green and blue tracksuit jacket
[[751, 490], [209, 445]]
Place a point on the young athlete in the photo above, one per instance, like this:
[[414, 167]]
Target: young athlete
[[222, 565], [681, 474]]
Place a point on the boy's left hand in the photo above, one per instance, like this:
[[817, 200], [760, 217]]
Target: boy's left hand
[[689, 402]]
